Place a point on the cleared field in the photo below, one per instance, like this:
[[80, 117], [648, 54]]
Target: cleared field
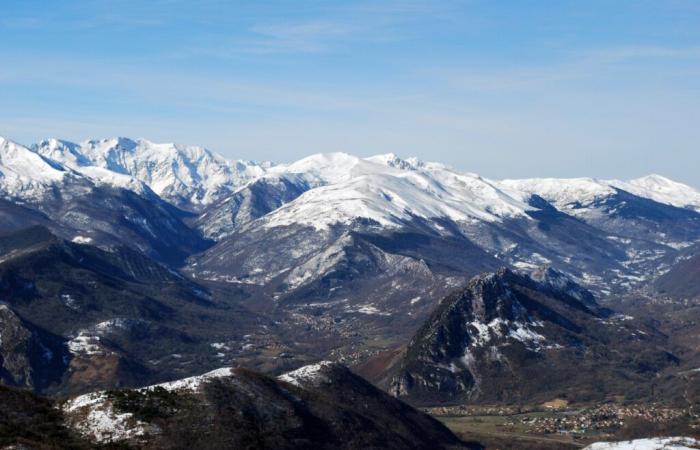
[[502, 432]]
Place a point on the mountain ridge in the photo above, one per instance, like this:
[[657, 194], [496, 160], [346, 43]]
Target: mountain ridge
[[111, 154]]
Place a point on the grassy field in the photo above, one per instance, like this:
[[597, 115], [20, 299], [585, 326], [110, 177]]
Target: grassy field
[[502, 432]]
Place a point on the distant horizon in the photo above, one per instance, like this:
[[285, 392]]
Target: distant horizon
[[401, 156], [506, 89]]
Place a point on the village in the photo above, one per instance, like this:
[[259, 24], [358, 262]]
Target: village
[[604, 418], [561, 419]]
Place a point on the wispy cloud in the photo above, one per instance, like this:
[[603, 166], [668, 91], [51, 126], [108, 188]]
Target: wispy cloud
[[325, 28], [313, 36], [310, 36], [579, 66], [22, 23], [187, 89]]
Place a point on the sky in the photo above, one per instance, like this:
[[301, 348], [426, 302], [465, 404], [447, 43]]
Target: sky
[[518, 88]]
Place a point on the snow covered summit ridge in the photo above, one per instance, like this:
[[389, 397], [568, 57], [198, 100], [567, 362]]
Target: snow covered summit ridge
[[339, 187], [184, 175], [25, 174]]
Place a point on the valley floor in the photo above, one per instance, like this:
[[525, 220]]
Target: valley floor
[[539, 427]]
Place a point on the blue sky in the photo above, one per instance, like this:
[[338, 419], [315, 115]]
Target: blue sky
[[501, 88]]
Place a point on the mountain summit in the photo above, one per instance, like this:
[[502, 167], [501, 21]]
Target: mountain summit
[[187, 176]]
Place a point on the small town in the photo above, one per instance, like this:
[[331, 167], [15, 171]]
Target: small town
[[562, 419], [608, 417]]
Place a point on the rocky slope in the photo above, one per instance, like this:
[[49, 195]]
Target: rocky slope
[[75, 317], [328, 407], [29, 421], [320, 406], [513, 338], [681, 280]]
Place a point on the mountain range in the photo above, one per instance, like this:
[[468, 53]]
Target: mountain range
[[337, 198], [332, 224], [125, 263]]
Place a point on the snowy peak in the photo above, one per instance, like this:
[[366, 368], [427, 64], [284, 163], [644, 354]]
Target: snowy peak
[[338, 188], [662, 190], [71, 155], [22, 162], [392, 160], [63, 151], [188, 176], [25, 174], [573, 193], [654, 181], [329, 168], [412, 163], [564, 193], [346, 188]]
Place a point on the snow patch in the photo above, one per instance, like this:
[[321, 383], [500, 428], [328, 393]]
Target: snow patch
[[368, 309], [94, 417], [498, 327], [70, 302], [307, 375], [194, 383], [85, 345], [660, 443]]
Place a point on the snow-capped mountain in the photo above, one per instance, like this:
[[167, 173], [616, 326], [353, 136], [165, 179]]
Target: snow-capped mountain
[[340, 199], [662, 190], [99, 206], [341, 187], [576, 194], [351, 188], [652, 208], [26, 175], [326, 190], [568, 194], [320, 210], [252, 201], [187, 176]]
